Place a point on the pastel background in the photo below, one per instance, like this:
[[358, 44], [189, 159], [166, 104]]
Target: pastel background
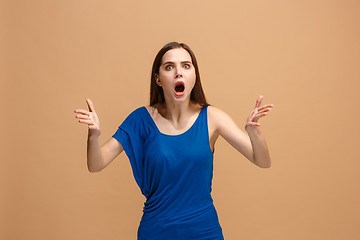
[[302, 56]]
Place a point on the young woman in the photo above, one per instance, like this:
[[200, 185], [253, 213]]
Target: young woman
[[170, 145]]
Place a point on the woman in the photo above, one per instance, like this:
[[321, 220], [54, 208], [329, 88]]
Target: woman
[[170, 146]]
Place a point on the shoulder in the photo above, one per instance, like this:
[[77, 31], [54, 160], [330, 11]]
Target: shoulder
[[152, 111], [137, 122], [137, 112], [216, 114], [135, 116], [219, 119]]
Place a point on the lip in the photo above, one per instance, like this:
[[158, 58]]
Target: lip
[[179, 93]]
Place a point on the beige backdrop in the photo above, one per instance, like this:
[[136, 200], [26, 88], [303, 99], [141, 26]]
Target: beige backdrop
[[303, 56]]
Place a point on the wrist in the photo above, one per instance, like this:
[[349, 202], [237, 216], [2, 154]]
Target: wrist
[[92, 133], [252, 129]]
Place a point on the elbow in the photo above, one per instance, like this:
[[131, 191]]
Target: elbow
[[263, 164], [94, 170], [266, 166], [94, 166]]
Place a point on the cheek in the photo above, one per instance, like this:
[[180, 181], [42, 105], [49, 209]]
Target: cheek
[[192, 79], [164, 79]]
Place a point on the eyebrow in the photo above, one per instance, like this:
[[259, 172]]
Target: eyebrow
[[169, 62]]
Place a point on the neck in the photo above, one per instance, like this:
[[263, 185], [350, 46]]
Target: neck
[[174, 111]]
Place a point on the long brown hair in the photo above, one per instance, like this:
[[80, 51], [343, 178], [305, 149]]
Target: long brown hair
[[156, 92]]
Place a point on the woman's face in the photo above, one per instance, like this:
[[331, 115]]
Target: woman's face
[[176, 75]]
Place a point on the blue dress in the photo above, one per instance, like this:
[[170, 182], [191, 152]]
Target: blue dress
[[174, 173]]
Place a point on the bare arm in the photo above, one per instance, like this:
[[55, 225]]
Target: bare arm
[[97, 157], [253, 145], [260, 149]]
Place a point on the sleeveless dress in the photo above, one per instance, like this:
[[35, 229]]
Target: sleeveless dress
[[174, 173]]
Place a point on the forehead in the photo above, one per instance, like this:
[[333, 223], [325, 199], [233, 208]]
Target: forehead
[[176, 55]]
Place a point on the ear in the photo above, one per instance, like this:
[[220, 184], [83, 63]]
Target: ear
[[157, 79]]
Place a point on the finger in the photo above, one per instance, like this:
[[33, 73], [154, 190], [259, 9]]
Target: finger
[[270, 106], [258, 116], [258, 101], [90, 105], [253, 112], [83, 116], [253, 124], [82, 111], [86, 121], [261, 114], [264, 110]]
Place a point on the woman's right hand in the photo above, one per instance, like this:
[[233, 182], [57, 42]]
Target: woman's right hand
[[90, 118]]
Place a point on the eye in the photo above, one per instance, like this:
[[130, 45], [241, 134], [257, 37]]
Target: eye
[[187, 66], [169, 67]]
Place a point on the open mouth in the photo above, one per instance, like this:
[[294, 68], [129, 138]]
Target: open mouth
[[179, 88]]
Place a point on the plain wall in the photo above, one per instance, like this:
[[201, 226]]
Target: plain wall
[[302, 56]]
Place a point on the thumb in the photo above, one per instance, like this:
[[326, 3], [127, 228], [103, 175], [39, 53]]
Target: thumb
[[90, 105]]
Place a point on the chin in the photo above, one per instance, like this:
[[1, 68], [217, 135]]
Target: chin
[[181, 99]]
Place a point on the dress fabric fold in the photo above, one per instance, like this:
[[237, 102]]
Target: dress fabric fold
[[174, 173]]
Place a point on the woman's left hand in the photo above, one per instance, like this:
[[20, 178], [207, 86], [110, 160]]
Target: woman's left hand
[[257, 113]]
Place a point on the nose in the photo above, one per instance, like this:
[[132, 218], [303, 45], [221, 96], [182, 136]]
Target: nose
[[178, 73]]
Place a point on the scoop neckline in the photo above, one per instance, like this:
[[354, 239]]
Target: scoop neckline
[[173, 135]]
